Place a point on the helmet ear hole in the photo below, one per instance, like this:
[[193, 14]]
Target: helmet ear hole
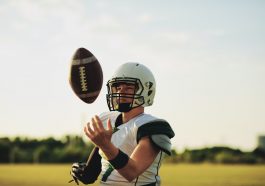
[[149, 101], [149, 92], [150, 85]]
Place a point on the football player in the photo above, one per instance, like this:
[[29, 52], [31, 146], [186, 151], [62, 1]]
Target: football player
[[129, 144]]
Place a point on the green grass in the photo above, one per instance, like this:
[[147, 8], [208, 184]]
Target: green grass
[[172, 175], [212, 175]]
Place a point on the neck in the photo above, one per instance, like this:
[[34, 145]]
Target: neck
[[126, 116]]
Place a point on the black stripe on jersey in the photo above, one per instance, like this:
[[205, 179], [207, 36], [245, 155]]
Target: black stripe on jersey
[[118, 121], [107, 173], [158, 165], [155, 127], [150, 184], [136, 181]]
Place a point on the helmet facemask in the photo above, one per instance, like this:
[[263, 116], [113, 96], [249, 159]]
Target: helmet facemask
[[116, 100]]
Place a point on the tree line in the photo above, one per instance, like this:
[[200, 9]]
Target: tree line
[[73, 148], [49, 150], [224, 155]]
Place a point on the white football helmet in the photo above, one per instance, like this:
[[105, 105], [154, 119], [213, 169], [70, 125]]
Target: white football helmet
[[138, 75]]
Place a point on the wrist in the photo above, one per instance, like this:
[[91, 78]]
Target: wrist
[[110, 151], [120, 160]]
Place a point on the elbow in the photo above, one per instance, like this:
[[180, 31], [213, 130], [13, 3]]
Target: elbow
[[129, 178], [130, 173]]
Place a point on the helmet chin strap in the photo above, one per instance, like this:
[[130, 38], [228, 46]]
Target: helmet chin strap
[[124, 107]]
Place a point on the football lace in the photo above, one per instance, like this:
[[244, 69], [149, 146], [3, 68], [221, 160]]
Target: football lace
[[83, 78]]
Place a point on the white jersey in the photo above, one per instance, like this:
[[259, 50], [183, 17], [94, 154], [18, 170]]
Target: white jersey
[[125, 138]]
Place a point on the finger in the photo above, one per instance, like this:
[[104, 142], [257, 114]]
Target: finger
[[76, 181], [109, 125], [95, 125], [99, 123], [89, 128], [75, 165], [89, 132], [74, 170]]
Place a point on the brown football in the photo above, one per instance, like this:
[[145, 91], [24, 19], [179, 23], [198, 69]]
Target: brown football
[[86, 75]]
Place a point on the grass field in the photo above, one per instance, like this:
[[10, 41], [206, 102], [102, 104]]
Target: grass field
[[172, 175]]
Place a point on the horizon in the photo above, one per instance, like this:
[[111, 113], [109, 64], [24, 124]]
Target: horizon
[[178, 150]]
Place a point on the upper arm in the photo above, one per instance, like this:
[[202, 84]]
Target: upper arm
[[142, 157], [144, 154]]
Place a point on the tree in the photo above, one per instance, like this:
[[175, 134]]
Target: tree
[[5, 147]]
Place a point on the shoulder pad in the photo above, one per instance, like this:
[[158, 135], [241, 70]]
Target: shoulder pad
[[162, 142], [155, 127]]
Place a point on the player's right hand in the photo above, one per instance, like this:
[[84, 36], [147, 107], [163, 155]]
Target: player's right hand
[[78, 173]]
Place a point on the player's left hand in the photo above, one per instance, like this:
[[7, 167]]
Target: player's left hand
[[95, 131]]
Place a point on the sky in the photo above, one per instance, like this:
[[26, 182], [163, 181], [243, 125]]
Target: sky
[[208, 59]]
